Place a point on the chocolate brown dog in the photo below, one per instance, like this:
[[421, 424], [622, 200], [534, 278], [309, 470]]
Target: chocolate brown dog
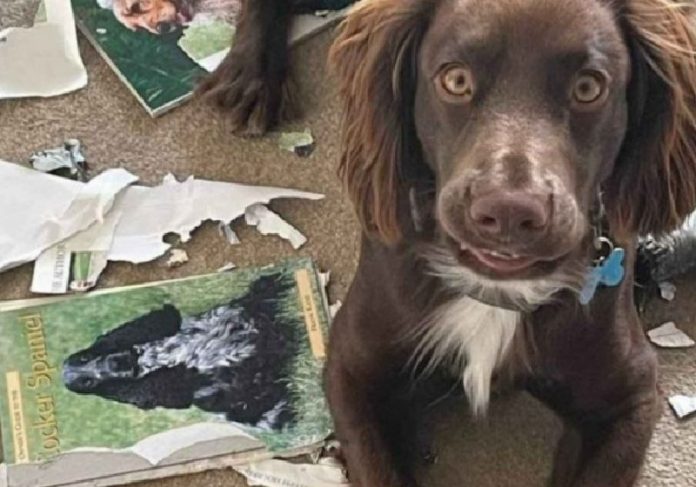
[[503, 157]]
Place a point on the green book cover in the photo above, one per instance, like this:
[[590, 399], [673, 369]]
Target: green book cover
[[150, 371], [160, 50]]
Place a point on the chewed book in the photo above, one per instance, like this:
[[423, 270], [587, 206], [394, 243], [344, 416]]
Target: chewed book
[[162, 379], [160, 49]]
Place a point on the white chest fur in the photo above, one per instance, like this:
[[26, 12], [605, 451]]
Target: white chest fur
[[475, 338]]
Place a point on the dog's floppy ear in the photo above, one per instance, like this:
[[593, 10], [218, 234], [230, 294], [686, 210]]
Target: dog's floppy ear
[[653, 186], [374, 60]]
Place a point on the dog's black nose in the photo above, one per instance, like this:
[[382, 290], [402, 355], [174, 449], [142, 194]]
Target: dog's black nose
[[166, 27], [510, 215]]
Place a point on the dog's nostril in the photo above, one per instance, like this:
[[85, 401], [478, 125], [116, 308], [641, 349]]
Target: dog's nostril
[[488, 221], [509, 214]]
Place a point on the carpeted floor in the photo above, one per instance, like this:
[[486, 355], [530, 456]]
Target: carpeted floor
[[512, 448]]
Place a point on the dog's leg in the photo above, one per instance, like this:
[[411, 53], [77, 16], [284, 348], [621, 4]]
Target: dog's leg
[[252, 82], [605, 453], [361, 427]]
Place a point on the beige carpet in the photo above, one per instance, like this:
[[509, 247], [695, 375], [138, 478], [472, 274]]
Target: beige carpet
[[511, 449]]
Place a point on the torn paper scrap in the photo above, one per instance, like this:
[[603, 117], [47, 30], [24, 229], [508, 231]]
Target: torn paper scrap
[[334, 308], [683, 406], [279, 473], [43, 60], [669, 336], [180, 207], [67, 160], [230, 266], [77, 262], [177, 258], [41, 210], [300, 143], [270, 223], [668, 291], [229, 234]]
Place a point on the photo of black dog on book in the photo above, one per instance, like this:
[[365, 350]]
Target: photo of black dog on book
[[232, 359]]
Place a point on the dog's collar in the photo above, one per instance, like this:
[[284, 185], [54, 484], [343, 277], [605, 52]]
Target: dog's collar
[[500, 301], [607, 267]]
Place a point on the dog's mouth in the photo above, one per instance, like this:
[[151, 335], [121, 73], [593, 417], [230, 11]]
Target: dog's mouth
[[500, 263]]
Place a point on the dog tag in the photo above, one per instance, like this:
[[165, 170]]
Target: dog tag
[[609, 272]]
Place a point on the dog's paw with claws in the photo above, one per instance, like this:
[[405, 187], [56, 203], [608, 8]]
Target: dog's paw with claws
[[255, 99]]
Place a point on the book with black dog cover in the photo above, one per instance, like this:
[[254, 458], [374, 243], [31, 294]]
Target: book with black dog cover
[[162, 379]]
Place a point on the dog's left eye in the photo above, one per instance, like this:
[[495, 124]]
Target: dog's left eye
[[457, 82], [589, 88]]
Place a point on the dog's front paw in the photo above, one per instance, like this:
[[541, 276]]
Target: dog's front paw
[[254, 98]]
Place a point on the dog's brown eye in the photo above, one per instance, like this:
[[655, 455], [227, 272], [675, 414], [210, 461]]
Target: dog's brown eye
[[458, 82], [589, 88]]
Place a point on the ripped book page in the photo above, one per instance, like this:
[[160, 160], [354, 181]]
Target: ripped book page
[[41, 210], [43, 60], [180, 207]]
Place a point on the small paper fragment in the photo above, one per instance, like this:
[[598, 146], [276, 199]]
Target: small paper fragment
[[683, 406], [67, 159], [279, 473], [300, 143], [669, 336], [229, 234], [334, 307], [177, 258], [230, 266], [270, 223], [668, 291]]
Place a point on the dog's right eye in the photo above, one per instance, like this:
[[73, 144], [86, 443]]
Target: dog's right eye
[[456, 83]]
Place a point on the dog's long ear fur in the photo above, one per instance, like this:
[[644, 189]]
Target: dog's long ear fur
[[374, 60], [653, 186]]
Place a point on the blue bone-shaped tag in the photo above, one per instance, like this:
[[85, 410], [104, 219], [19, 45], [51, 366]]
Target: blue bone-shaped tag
[[610, 272]]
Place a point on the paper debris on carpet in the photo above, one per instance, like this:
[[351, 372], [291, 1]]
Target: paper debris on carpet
[[110, 219], [230, 266], [668, 291], [180, 207], [280, 473], [67, 160], [299, 143], [270, 223], [177, 258], [683, 406], [43, 60], [669, 336], [229, 234]]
